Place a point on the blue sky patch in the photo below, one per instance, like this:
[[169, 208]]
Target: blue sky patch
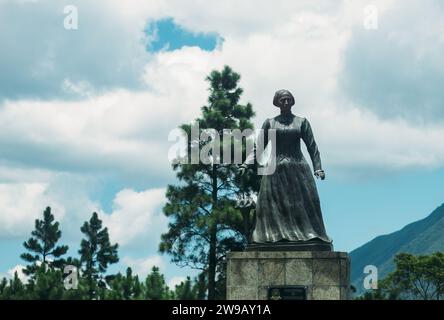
[[170, 36]]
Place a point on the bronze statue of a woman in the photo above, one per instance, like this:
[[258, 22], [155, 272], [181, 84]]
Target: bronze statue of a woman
[[288, 211]]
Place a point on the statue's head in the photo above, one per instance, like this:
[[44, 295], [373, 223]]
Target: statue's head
[[283, 99]]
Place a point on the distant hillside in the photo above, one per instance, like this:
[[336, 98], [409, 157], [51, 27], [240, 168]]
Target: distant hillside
[[420, 237]]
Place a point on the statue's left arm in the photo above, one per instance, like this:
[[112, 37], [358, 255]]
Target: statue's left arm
[[312, 148]]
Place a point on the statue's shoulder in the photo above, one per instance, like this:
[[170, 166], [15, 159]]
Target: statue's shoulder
[[267, 123], [300, 121], [298, 118]]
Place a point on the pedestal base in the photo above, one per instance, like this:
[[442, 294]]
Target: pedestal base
[[324, 275], [291, 246]]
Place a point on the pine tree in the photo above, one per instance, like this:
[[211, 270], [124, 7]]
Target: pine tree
[[200, 286], [43, 245], [205, 222], [185, 290], [155, 286], [125, 287], [15, 290], [48, 284], [96, 253], [3, 285]]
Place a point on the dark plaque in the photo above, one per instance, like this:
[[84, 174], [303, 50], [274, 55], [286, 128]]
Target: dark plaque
[[287, 293]]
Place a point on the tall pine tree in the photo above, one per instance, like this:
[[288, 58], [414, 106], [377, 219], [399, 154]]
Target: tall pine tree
[[96, 253], [155, 286], [43, 245], [204, 220]]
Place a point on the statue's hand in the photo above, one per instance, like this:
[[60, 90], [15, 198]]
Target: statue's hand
[[320, 174]]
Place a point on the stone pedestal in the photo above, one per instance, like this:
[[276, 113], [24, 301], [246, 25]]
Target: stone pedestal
[[325, 275]]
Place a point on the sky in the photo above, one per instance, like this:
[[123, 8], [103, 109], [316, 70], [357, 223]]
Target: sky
[[85, 113]]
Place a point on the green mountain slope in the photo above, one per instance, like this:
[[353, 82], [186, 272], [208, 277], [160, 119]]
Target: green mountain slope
[[420, 237]]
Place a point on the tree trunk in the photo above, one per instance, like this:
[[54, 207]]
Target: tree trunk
[[246, 220], [213, 242], [212, 266]]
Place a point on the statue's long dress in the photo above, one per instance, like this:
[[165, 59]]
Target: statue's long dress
[[288, 206]]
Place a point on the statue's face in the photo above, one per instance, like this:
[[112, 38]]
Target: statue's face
[[285, 103]]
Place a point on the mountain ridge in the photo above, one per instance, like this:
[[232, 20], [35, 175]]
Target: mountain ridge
[[419, 237]]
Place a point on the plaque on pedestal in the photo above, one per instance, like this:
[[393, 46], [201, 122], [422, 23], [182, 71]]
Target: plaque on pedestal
[[287, 293]]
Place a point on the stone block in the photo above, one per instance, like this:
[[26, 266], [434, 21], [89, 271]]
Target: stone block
[[243, 272], [242, 293], [326, 293], [325, 275], [271, 272], [326, 272], [299, 271]]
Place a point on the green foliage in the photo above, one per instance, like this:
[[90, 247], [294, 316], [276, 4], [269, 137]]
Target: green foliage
[[419, 277], [96, 253], [201, 286], [155, 286], [14, 290], [126, 287], [42, 245], [204, 221], [79, 293], [3, 285], [416, 277], [385, 291], [47, 279], [47, 285], [185, 290]]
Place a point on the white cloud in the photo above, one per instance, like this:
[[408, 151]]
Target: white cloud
[[39, 55], [357, 140], [301, 49], [10, 273], [21, 204], [174, 281], [397, 70], [143, 266], [116, 132], [137, 217], [25, 193]]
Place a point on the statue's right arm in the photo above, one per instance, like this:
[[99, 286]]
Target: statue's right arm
[[259, 146]]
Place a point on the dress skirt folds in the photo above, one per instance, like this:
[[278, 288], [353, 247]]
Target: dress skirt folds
[[288, 206]]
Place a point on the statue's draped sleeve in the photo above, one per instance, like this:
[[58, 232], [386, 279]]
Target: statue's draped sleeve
[[260, 144], [312, 148]]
